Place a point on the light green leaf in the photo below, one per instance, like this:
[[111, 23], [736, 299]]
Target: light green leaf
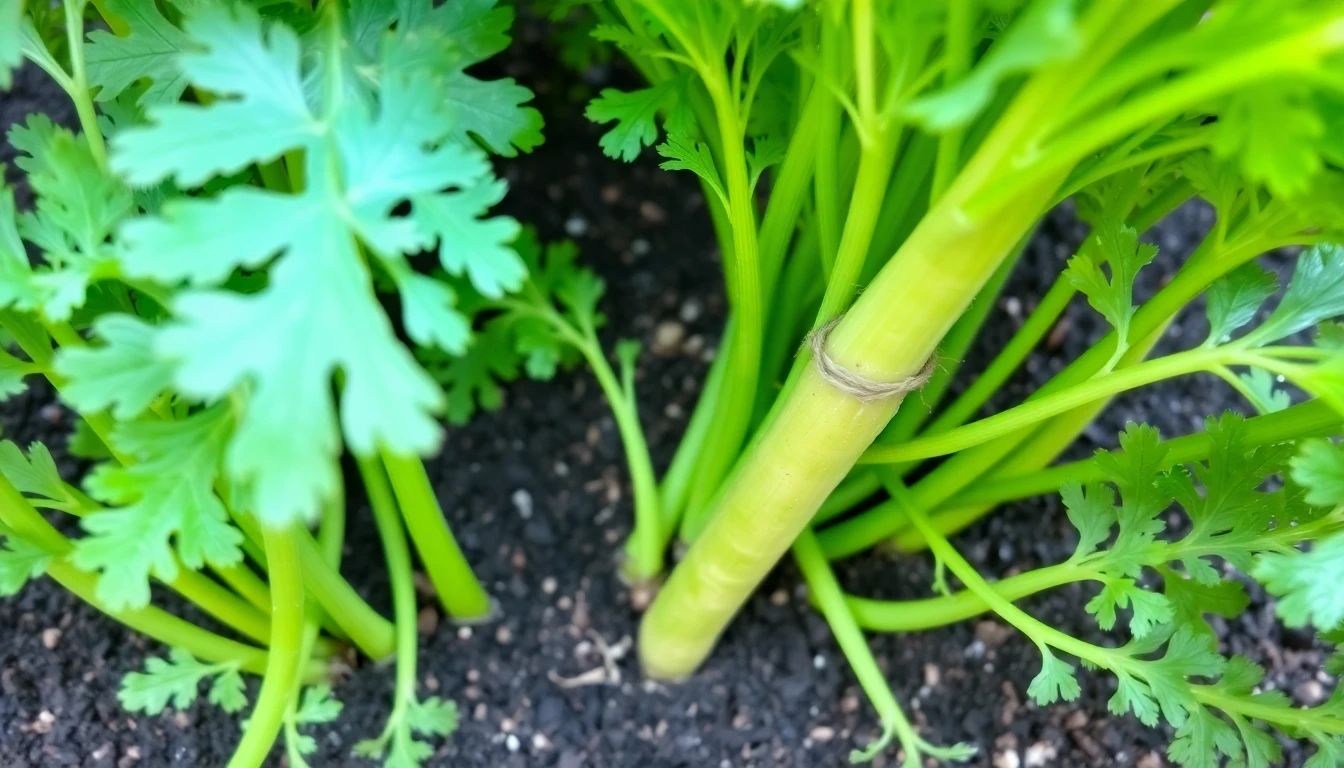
[[1133, 695], [148, 51], [174, 681], [1319, 468], [261, 112], [318, 706], [1234, 300], [124, 374], [634, 112], [11, 51], [433, 717], [1262, 392], [471, 379], [492, 112], [1118, 246], [1306, 583], [429, 316], [1274, 131], [1046, 32], [153, 246], [228, 692], [1190, 600], [166, 498], [470, 245], [1091, 509], [84, 443], [36, 476], [1150, 609], [685, 154], [1201, 738], [766, 151], [1055, 681], [1316, 293], [19, 562], [12, 374]]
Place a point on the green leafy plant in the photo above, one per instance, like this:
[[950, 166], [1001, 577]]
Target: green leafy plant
[[906, 151], [210, 246]]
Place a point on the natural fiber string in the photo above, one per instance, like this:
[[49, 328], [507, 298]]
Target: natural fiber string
[[854, 384]]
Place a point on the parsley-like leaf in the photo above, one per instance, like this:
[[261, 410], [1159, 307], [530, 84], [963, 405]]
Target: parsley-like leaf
[[1316, 293], [167, 497], [125, 374], [19, 562], [176, 681], [318, 706], [634, 113], [1319, 468], [1118, 246], [36, 476], [149, 51], [1306, 583], [11, 44], [686, 154], [1234, 300], [1055, 681]]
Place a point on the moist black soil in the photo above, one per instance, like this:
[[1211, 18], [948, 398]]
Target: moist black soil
[[538, 495]]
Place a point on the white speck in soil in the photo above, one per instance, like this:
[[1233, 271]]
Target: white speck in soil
[[667, 338], [549, 585], [464, 633], [576, 226], [511, 743], [821, 734], [639, 247], [976, 650], [522, 501], [51, 637], [818, 662], [691, 309]]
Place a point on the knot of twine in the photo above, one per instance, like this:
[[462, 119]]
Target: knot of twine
[[855, 384]]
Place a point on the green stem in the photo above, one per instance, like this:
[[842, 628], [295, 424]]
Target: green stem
[[242, 580], [647, 543], [1036, 411], [825, 590], [461, 594], [282, 666], [367, 629], [916, 615], [676, 486], [222, 604], [88, 118]]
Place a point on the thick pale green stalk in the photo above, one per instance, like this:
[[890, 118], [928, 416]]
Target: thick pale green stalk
[[815, 438], [242, 580], [461, 595], [282, 667]]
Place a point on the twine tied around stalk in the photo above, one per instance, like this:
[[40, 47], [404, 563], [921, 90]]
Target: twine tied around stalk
[[854, 384]]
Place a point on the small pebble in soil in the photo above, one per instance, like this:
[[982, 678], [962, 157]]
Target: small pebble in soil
[[652, 212], [549, 585], [576, 226], [464, 633], [51, 637], [427, 621], [522, 501], [1309, 693], [639, 247], [511, 743], [1040, 754], [667, 338], [821, 734], [1007, 759], [779, 598], [818, 662], [691, 310], [503, 636]]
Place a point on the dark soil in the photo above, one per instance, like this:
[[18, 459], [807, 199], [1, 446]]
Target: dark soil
[[538, 496]]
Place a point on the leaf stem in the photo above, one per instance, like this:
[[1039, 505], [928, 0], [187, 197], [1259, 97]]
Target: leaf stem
[[461, 595], [282, 666], [88, 119]]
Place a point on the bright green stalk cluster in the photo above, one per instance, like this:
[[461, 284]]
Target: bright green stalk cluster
[[910, 148], [213, 242]]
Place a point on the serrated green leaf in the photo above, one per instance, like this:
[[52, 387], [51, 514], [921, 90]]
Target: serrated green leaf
[[634, 112], [433, 717], [1273, 130], [1133, 695], [262, 112], [1045, 32], [208, 229], [1191, 599], [492, 112], [1150, 609], [19, 562], [228, 692], [471, 379], [1330, 335], [1054, 682], [685, 154], [1135, 471], [471, 246], [766, 151], [1234, 300], [36, 475], [1201, 739], [1319, 468], [124, 375], [175, 680], [427, 308], [1329, 752], [148, 51], [1262, 392], [318, 706], [1306, 583], [1113, 296], [1091, 509], [167, 507], [1316, 293]]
